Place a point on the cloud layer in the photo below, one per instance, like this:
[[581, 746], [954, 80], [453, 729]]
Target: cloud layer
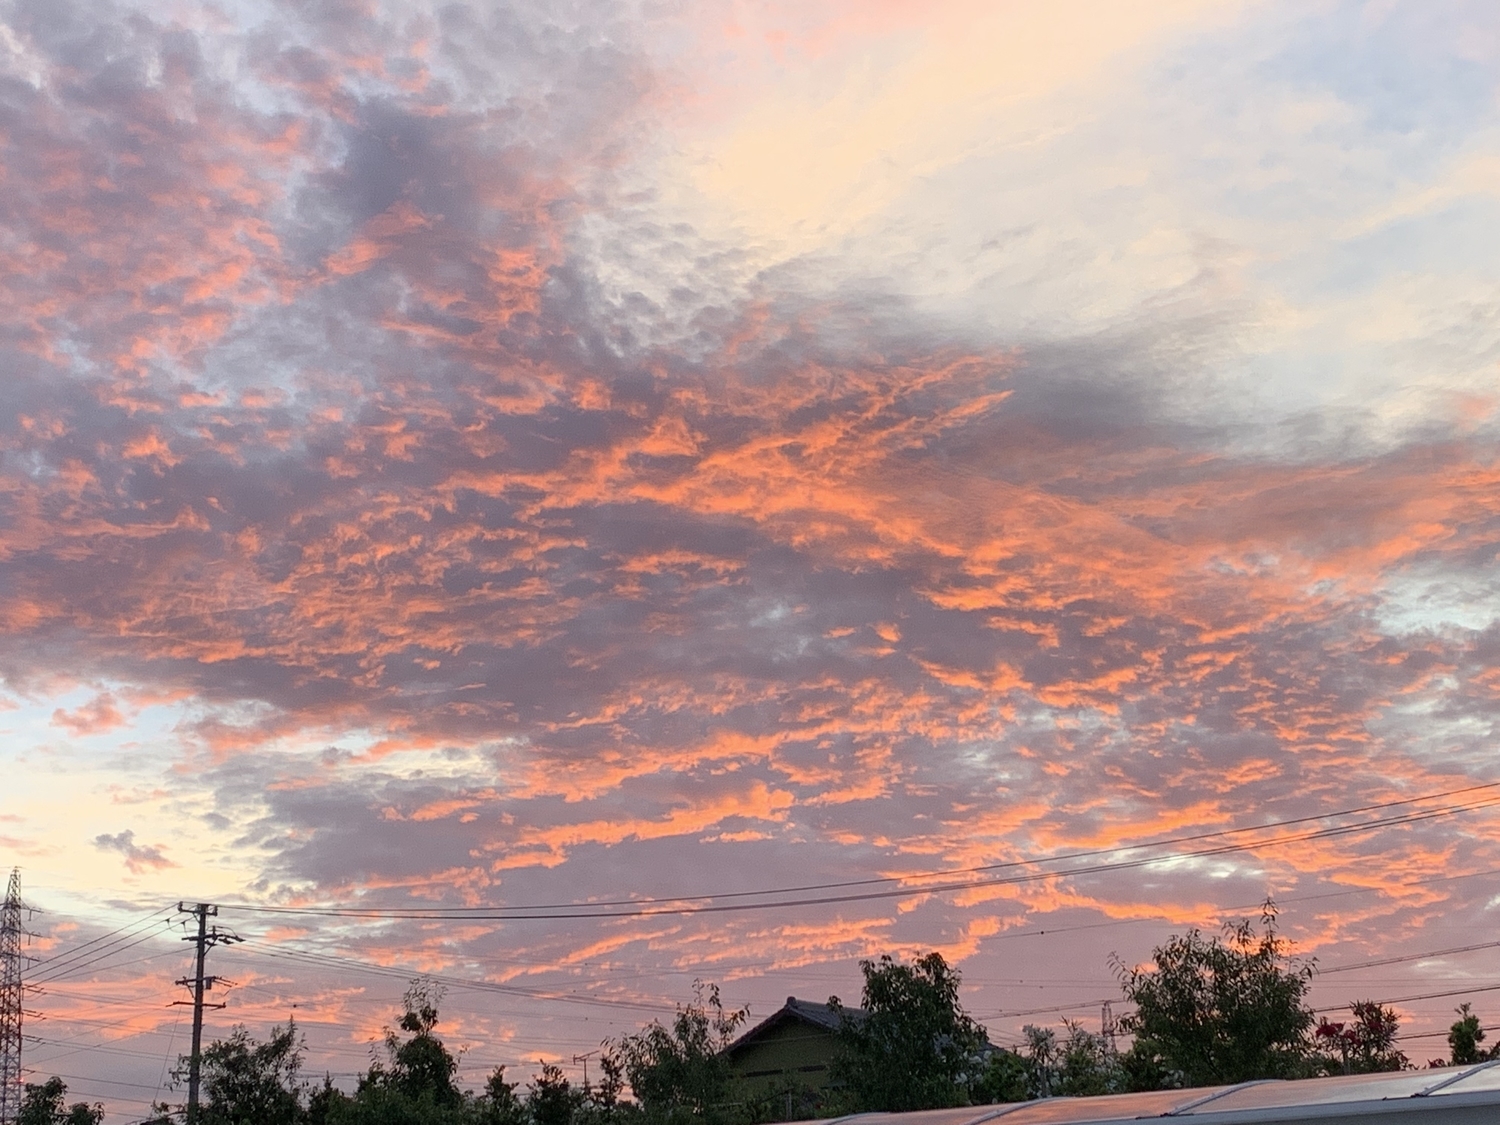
[[419, 485]]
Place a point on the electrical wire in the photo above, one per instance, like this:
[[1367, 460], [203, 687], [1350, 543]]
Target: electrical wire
[[106, 1081], [1408, 957], [74, 1049], [943, 873], [80, 962], [1411, 957], [67, 978], [581, 910], [1442, 1034], [327, 960], [78, 950], [166, 1061], [1423, 996]]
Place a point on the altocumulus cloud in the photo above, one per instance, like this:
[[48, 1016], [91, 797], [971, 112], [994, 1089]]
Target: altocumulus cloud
[[485, 565]]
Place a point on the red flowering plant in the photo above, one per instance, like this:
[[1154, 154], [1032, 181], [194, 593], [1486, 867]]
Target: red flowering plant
[[1362, 1046]]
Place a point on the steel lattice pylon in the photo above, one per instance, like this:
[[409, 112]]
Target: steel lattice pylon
[[12, 991]]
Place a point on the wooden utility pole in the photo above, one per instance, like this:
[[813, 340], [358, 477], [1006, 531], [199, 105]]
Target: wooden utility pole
[[205, 939]]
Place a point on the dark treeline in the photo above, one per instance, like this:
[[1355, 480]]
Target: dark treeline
[[1208, 1010]]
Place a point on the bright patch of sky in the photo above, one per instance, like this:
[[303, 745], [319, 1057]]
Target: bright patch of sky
[[1299, 201]]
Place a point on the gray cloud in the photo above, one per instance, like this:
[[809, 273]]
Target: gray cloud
[[137, 857]]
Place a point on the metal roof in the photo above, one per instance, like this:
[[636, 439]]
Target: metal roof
[[1449, 1096]]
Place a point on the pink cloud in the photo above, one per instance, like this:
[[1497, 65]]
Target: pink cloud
[[326, 428]]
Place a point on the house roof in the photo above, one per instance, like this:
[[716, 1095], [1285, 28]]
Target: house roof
[[806, 1012]]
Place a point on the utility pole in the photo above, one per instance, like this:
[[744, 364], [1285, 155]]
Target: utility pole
[[584, 1059], [205, 939], [1108, 1025], [12, 995]]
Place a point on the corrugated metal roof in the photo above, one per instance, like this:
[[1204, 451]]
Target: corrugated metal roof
[[1449, 1096]]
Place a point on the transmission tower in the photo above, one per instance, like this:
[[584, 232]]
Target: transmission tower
[[12, 993], [205, 939]]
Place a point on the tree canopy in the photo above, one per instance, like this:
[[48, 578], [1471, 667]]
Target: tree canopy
[[681, 1073], [1465, 1037], [419, 1069], [250, 1082], [246, 1082], [1215, 1010], [915, 1047], [43, 1104]]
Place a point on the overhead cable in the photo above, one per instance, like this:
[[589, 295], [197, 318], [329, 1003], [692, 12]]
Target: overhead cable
[[588, 910], [942, 873]]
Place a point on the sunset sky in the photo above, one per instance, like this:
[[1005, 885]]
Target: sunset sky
[[510, 455]]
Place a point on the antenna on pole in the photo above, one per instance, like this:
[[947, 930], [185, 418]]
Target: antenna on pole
[[204, 940], [12, 995]]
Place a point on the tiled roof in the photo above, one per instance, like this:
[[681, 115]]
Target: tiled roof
[[821, 1014], [800, 1011]]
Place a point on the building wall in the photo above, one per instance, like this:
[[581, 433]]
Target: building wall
[[793, 1050]]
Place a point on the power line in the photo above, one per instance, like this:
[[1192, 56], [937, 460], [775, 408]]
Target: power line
[[1082, 1005], [1087, 1004], [419, 912], [1408, 957], [98, 998], [106, 1081], [76, 966], [74, 961], [48, 964], [583, 910], [80, 965], [67, 980], [1411, 957], [1424, 996], [1443, 1034], [324, 960], [73, 1048], [166, 1061], [1109, 923], [334, 961], [71, 963]]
